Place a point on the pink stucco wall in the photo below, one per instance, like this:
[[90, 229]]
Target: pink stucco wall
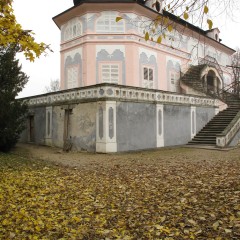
[[130, 42]]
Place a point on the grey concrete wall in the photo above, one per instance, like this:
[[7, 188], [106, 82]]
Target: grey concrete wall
[[203, 116], [39, 114], [177, 125], [57, 126], [83, 127], [136, 126], [39, 124]]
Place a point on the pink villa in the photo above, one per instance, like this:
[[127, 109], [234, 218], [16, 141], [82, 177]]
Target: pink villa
[[121, 93]]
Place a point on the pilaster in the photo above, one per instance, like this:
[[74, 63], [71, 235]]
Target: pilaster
[[106, 127]]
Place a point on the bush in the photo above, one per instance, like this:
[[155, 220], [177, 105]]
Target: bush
[[12, 111]]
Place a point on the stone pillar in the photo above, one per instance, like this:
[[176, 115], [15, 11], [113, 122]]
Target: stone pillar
[[106, 140], [215, 84], [205, 83]]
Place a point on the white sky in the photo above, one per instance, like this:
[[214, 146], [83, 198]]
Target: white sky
[[37, 16]]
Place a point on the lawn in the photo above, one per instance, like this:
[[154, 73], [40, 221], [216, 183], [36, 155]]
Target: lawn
[[177, 198]]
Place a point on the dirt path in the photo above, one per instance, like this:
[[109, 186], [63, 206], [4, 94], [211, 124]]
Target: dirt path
[[168, 156]]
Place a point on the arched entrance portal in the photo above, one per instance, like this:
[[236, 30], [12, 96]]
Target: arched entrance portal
[[210, 79], [212, 82]]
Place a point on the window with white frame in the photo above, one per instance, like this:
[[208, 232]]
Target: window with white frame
[[72, 77], [174, 80], [174, 76], [110, 73], [107, 23], [73, 29], [148, 77]]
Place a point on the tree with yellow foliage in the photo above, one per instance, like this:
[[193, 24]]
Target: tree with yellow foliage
[[11, 33]]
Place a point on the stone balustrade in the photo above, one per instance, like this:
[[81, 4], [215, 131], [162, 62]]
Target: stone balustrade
[[228, 134], [120, 93]]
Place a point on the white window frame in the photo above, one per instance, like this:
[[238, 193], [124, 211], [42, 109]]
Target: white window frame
[[106, 23], [69, 31], [148, 77], [174, 78], [111, 67]]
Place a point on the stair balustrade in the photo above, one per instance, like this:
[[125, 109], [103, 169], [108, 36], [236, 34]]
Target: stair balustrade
[[224, 138]]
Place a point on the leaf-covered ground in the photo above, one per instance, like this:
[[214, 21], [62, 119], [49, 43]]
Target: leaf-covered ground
[[165, 194]]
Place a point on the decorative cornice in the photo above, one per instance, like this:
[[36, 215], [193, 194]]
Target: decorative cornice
[[101, 92]]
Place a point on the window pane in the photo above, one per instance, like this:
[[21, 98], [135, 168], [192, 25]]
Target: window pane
[[150, 74], [110, 73], [148, 77], [107, 23], [145, 73]]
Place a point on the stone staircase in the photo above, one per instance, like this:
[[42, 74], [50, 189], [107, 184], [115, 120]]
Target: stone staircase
[[192, 78], [207, 136]]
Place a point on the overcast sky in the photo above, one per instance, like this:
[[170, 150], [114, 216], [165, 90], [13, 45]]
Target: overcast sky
[[37, 16]]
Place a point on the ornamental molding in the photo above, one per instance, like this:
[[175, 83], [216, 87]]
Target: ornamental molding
[[101, 92], [123, 38]]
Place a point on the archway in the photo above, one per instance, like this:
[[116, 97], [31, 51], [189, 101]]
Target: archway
[[212, 82]]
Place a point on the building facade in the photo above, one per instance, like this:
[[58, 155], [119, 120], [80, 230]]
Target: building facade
[[95, 48], [122, 93]]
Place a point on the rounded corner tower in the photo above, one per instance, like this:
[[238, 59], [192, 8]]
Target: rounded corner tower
[[95, 48]]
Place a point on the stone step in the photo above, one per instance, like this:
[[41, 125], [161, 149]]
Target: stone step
[[213, 140], [206, 132], [221, 121], [204, 138], [226, 116], [210, 131], [213, 124], [202, 142]]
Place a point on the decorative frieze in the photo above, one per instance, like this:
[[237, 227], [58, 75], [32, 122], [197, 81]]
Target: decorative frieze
[[120, 93], [94, 38]]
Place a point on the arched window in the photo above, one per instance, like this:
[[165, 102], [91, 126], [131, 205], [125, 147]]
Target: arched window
[[106, 23], [72, 29], [148, 77], [73, 66]]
